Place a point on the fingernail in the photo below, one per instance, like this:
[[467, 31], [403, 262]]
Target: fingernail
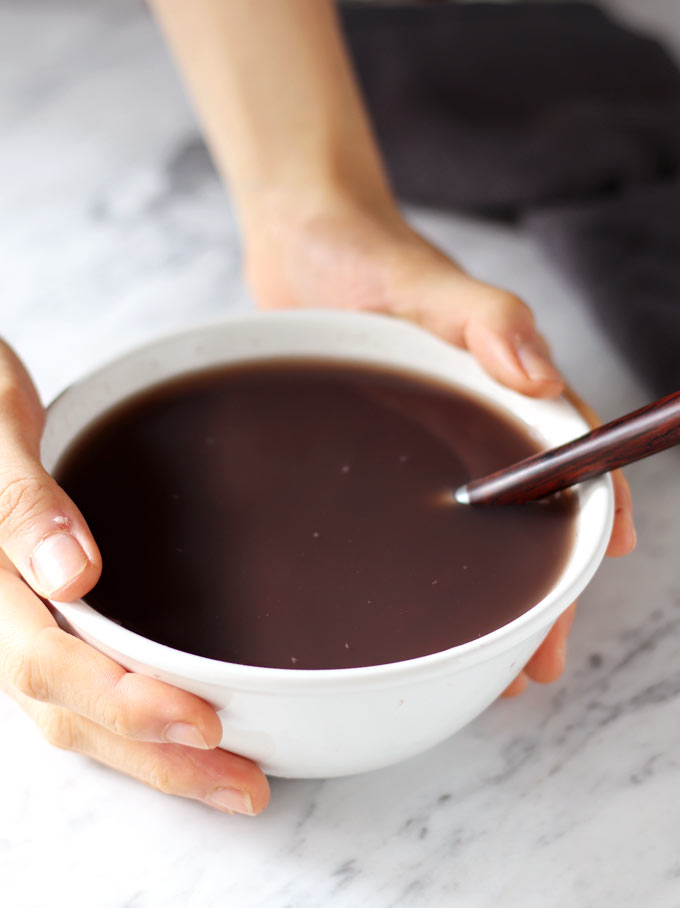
[[231, 799], [535, 362], [57, 560], [186, 734]]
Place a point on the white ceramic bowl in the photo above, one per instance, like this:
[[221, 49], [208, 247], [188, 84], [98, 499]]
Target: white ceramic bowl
[[339, 721]]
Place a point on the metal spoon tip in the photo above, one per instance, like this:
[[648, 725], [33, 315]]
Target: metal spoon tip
[[461, 495]]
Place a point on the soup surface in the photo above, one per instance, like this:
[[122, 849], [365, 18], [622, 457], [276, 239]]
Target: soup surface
[[288, 514]]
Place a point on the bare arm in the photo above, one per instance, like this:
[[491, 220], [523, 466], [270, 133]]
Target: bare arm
[[277, 98], [284, 119]]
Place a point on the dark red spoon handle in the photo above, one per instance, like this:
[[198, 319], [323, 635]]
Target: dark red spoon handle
[[632, 437]]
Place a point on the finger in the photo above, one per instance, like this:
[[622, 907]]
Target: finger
[[547, 663], [517, 686], [6, 564], [41, 662], [42, 532], [495, 325], [624, 537], [229, 782]]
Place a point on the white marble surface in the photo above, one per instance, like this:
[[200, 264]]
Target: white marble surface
[[114, 229]]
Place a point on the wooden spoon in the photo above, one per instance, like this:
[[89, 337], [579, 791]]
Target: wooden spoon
[[632, 437]]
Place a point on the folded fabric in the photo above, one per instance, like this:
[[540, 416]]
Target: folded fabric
[[624, 256], [554, 114]]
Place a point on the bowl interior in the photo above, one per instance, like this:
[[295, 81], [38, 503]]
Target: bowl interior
[[341, 336]]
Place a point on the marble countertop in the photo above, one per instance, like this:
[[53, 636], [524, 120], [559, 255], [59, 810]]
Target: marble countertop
[[114, 229]]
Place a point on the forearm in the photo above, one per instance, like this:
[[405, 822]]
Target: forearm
[[277, 98]]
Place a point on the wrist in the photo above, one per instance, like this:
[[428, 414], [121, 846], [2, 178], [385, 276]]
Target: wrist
[[322, 195]]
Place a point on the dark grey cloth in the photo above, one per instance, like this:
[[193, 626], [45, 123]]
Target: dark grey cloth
[[624, 255], [552, 114]]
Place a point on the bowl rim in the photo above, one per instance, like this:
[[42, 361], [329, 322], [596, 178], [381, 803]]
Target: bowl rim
[[96, 628]]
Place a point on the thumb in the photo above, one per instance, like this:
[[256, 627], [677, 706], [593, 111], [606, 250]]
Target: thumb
[[42, 532], [494, 325], [501, 333]]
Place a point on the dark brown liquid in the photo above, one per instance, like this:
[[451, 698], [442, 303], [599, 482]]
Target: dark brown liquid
[[286, 514]]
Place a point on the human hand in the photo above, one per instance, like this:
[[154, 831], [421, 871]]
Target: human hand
[[344, 256], [80, 699], [284, 119]]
